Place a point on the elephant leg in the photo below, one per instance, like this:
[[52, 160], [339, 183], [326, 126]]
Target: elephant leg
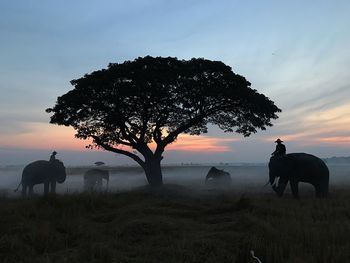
[[24, 190], [99, 184], [317, 190], [89, 185], [31, 190], [282, 183], [295, 188], [46, 188], [93, 185], [53, 187]]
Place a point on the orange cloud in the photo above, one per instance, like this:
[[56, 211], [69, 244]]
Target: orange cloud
[[336, 115], [320, 127], [200, 143], [337, 140], [316, 138], [45, 136]]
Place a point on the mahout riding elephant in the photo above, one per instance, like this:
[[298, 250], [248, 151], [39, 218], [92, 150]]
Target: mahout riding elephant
[[298, 167], [93, 179], [218, 177], [42, 172]]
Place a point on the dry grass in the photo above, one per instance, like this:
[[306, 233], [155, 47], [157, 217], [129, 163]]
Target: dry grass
[[175, 225]]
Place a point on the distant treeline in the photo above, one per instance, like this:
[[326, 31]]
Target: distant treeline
[[337, 160]]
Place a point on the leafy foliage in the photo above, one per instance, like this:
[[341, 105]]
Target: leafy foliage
[[146, 99]]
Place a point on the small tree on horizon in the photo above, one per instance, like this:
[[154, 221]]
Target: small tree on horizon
[[129, 105]]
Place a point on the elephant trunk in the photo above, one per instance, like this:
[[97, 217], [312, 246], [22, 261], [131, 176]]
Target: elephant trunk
[[59, 171], [106, 177], [272, 179], [61, 177], [267, 183]]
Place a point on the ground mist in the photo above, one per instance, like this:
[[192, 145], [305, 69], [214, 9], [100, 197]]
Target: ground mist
[[175, 224]]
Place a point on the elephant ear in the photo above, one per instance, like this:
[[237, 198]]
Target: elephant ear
[[277, 162], [56, 163]]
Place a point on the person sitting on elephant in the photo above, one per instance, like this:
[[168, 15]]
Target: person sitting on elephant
[[280, 148], [53, 157]]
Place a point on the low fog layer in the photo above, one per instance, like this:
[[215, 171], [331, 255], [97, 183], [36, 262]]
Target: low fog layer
[[245, 179]]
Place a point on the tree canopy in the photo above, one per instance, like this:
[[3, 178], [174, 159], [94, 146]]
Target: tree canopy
[[154, 99]]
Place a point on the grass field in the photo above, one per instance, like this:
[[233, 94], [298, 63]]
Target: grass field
[[175, 224]]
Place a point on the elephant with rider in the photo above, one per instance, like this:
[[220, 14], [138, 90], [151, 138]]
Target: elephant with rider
[[42, 172], [298, 167]]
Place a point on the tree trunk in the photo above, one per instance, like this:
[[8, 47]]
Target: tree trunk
[[153, 172]]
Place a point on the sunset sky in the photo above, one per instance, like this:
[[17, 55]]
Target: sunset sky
[[295, 52]]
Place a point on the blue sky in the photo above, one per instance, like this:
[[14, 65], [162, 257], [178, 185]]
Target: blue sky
[[295, 52]]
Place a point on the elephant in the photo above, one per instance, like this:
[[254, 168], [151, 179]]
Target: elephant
[[42, 172], [298, 167], [93, 179], [218, 177]]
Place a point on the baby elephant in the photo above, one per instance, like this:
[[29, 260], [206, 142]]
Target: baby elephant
[[218, 177], [93, 179]]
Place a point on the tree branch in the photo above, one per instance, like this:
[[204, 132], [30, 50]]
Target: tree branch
[[171, 137], [119, 151], [131, 135], [119, 141], [157, 134], [126, 133]]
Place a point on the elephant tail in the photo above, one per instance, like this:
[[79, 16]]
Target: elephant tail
[[17, 187]]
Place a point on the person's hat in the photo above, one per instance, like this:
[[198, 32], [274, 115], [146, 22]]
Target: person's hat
[[54, 152], [278, 140]]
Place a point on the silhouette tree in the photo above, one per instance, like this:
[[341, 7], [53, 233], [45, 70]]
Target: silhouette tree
[[128, 106]]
